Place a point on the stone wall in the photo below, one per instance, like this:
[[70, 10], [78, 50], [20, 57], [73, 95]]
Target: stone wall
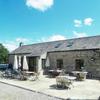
[[91, 60], [11, 59]]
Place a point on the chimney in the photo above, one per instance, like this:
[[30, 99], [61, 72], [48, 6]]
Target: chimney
[[20, 44]]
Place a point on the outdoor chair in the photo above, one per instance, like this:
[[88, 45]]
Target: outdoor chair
[[89, 75], [7, 74], [14, 74], [63, 82], [81, 76], [32, 76], [63, 73]]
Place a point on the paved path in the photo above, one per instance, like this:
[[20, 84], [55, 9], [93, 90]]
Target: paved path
[[8, 92]]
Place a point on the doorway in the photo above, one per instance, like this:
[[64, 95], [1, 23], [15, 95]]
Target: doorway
[[32, 64], [43, 63]]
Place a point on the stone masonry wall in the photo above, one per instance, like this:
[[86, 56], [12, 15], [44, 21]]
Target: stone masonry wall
[[91, 60]]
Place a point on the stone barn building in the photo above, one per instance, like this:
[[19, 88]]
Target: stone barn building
[[70, 54]]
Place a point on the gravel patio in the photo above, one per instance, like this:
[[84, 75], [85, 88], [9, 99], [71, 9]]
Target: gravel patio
[[88, 89]]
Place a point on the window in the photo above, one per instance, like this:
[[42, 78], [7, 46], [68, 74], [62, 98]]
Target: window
[[69, 44], [79, 64], [57, 45], [59, 63]]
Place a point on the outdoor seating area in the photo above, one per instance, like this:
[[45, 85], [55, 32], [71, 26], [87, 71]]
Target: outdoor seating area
[[19, 75], [64, 80], [88, 89], [61, 84]]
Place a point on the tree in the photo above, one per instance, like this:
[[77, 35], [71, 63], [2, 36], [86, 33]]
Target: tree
[[3, 54]]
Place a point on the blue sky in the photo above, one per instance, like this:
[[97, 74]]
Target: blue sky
[[32, 21]]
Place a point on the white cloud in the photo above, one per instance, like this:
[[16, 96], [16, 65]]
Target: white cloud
[[79, 34], [10, 46], [53, 38], [77, 23], [21, 39], [88, 21], [41, 5]]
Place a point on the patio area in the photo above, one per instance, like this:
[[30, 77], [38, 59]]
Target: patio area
[[88, 89]]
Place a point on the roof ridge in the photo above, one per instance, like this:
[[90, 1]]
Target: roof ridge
[[62, 40], [68, 44]]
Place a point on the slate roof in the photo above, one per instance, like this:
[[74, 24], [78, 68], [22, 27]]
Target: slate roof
[[37, 49]]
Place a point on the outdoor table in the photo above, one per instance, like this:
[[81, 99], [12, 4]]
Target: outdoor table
[[80, 74], [29, 73], [71, 78], [54, 72], [64, 81]]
